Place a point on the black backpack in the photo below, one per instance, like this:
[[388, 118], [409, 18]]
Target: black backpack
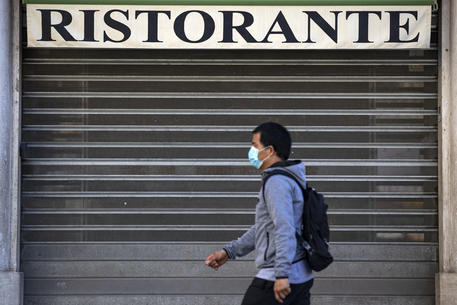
[[315, 230]]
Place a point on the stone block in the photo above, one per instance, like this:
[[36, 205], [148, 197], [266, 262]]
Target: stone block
[[11, 288], [446, 289]]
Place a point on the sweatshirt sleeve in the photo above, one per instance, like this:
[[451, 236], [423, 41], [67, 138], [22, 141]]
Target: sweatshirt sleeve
[[242, 246], [279, 202]]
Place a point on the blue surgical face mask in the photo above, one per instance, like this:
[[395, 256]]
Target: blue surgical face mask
[[254, 157]]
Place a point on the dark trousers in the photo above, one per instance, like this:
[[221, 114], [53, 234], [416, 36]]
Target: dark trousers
[[260, 292]]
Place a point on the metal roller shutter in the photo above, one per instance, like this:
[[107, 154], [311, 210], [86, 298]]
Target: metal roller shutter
[[135, 169]]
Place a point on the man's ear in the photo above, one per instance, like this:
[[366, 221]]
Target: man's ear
[[273, 150]]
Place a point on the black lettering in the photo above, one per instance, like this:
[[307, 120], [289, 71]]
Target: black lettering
[[89, 17], [208, 31], [153, 23], [363, 24], [46, 25], [324, 25], [285, 29], [125, 30], [228, 28], [395, 26]]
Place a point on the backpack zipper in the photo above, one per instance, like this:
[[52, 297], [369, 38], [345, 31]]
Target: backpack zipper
[[266, 249]]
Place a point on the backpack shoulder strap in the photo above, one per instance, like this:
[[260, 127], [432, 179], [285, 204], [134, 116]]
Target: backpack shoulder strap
[[279, 172]]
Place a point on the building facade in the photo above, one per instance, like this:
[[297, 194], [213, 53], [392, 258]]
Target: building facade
[[123, 168]]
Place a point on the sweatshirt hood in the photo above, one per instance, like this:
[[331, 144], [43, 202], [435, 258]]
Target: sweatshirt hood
[[295, 167]]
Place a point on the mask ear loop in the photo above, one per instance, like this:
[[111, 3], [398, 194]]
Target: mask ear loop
[[266, 157]]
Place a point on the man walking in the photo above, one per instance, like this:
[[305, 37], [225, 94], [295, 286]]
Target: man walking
[[284, 275]]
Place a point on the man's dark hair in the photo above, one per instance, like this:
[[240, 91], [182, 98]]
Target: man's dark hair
[[276, 135]]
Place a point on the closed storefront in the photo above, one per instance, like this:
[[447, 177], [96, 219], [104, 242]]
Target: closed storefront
[[134, 165]]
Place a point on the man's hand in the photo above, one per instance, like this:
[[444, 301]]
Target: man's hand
[[281, 289], [216, 259]]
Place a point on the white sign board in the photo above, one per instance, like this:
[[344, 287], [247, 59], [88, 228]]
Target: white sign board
[[228, 27]]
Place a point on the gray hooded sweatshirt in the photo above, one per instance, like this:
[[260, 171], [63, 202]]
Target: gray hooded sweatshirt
[[277, 218]]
